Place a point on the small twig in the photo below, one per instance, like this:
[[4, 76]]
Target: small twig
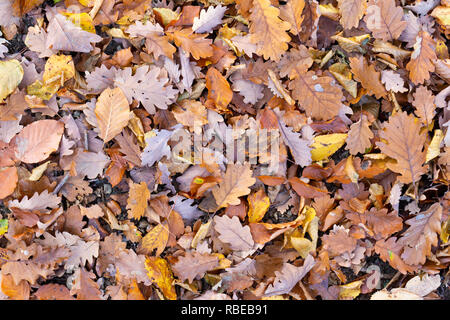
[[86, 141], [394, 278], [61, 183]]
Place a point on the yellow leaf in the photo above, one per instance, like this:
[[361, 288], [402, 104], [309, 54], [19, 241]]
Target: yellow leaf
[[352, 44], [350, 290], [11, 74], [82, 20], [258, 203], [445, 231], [341, 72], [434, 148], [3, 226], [37, 172], [442, 15], [201, 234], [324, 146], [158, 270], [223, 262], [302, 245], [58, 69], [138, 197], [166, 15], [350, 170], [156, 239]]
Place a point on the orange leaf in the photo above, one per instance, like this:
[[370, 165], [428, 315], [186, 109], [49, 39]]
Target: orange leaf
[[9, 179], [38, 140], [158, 270], [156, 239], [258, 203], [219, 89], [137, 200]]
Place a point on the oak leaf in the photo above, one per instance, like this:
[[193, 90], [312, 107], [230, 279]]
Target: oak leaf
[[359, 136], [236, 182], [421, 63], [20, 291], [90, 164], [22, 7], [292, 12], [392, 81], [367, 76], [267, 30], [424, 104], [389, 251], [351, 12], [317, 95], [404, 143], [233, 233], [25, 270], [299, 147], [421, 235], [129, 147], [155, 239], [66, 36], [84, 286], [194, 265], [384, 19], [193, 43], [146, 86], [288, 277], [39, 201], [137, 199], [208, 19]]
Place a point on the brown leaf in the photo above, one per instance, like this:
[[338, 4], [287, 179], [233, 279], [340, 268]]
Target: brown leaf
[[53, 291], [421, 63], [38, 140], [112, 112], [233, 233], [384, 19], [219, 90], [191, 42], [137, 200], [359, 136], [268, 31], [421, 235], [9, 177], [351, 12], [292, 12], [13, 291], [404, 143], [84, 286], [367, 76], [194, 265], [236, 182], [317, 95], [155, 239], [305, 190], [424, 104]]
